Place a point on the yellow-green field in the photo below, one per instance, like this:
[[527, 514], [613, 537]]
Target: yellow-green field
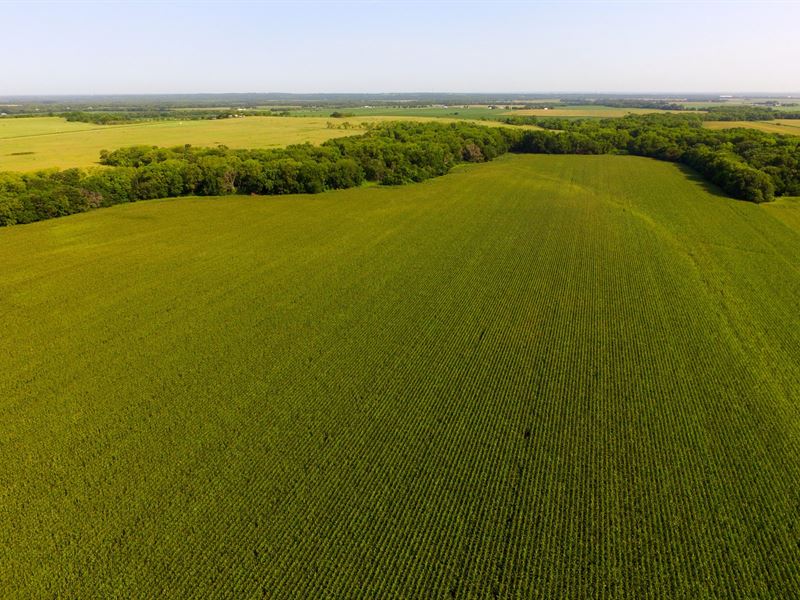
[[40, 143], [784, 126], [786, 210]]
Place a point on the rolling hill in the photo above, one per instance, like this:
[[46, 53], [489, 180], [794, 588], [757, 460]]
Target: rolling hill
[[540, 377]]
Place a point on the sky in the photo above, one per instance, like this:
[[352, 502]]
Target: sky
[[370, 46]]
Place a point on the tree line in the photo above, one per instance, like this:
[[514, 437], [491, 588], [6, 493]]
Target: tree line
[[99, 117], [744, 112], [746, 164], [726, 112], [390, 154]]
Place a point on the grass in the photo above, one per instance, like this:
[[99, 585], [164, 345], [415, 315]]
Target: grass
[[784, 126], [547, 376], [36, 126], [46, 142]]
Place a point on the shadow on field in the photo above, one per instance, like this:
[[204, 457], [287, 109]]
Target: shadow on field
[[704, 184]]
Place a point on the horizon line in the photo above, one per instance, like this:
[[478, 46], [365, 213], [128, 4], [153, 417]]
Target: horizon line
[[410, 93]]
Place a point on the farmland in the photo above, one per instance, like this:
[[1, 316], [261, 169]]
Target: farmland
[[783, 126], [45, 142], [484, 112], [451, 112], [598, 111], [541, 377]]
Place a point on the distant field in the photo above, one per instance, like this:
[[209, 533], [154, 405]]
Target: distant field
[[543, 377], [743, 102], [785, 126], [704, 104], [45, 142], [453, 112], [35, 126], [484, 112], [28, 144], [583, 111]]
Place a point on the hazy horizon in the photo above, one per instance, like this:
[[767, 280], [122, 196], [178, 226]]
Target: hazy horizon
[[403, 93], [145, 48]]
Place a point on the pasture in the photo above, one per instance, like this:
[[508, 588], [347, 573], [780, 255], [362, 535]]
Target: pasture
[[541, 377]]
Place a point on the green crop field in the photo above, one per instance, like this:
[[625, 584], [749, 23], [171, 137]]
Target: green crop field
[[542, 377], [784, 126], [45, 142]]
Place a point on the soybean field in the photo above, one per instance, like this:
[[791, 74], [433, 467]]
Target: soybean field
[[540, 377]]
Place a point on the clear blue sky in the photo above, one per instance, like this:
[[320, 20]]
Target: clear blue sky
[[525, 46]]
